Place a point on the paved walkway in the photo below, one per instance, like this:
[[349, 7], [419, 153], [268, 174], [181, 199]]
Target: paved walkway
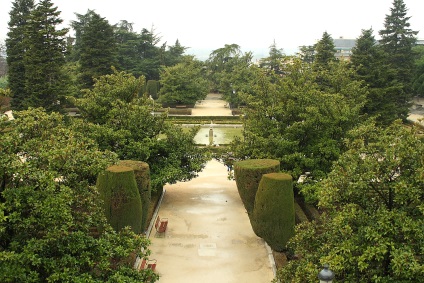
[[209, 236], [212, 105]]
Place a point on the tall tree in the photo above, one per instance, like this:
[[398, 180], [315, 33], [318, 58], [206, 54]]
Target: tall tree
[[274, 60], [368, 59], [16, 50], [324, 51], [373, 226], [97, 48], [44, 57], [397, 41]]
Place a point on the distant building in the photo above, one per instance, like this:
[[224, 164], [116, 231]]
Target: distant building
[[343, 48]]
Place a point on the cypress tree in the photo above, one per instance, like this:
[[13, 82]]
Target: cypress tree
[[44, 57], [15, 50]]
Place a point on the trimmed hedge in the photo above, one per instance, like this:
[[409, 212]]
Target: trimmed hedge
[[142, 178], [121, 199], [248, 174], [152, 89], [274, 215]]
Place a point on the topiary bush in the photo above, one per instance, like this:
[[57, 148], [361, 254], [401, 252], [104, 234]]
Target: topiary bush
[[142, 178], [122, 204], [248, 174], [273, 215]]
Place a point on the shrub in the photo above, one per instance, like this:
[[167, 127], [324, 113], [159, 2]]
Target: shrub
[[273, 216], [142, 178], [122, 204], [248, 174]]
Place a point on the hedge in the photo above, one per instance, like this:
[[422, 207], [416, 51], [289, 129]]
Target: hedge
[[121, 200], [248, 174], [142, 178], [273, 214]]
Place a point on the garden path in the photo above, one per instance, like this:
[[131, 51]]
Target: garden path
[[209, 237]]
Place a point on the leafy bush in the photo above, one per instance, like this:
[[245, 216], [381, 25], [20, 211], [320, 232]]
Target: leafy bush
[[119, 192], [273, 215], [248, 174]]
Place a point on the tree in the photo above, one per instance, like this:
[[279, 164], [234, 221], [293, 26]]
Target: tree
[[97, 48], [307, 53], [121, 121], [418, 81], [372, 231], [183, 83], [44, 58], [174, 54], [324, 51], [218, 63], [368, 59], [397, 41], [16, 50], [296, 120], [274, 60], [52, 224]]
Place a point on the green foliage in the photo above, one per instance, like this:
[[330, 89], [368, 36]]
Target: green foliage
[[152, 89], [121, 198], [183, 83], [273, 215], [418, 81], [44, 58], [248, 174], [97, 48], [123, 123], [142, 177], [3, 82], [373, 229], [298, 121], [19, 16], [53, 227], [324, 52]]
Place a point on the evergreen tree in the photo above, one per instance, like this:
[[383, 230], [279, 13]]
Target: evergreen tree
[[397, 41], [97, 49], [324, 51], [274, 60], [174, 54], [368, 60], [15, 50], [307, 53], [44, 57]]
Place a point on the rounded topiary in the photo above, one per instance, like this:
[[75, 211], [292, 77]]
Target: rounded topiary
[[121, 199], [142, 177], [248, 174], [273, 215]]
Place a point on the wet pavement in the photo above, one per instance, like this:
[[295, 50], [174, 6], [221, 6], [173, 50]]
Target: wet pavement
[[209, 236]]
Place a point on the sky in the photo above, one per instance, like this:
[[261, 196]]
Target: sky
[[254, 25]]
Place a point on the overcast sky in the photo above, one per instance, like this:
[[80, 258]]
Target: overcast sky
[[254, 25]]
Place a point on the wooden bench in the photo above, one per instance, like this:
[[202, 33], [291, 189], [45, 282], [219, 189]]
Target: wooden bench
[[161, 224]]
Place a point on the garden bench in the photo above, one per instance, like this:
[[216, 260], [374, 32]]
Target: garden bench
[[161, 224], [148, 264]]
